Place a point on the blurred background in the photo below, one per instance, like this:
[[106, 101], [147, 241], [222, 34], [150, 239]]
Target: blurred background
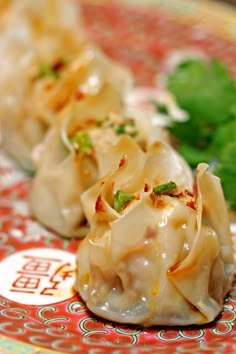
[[230, 1]]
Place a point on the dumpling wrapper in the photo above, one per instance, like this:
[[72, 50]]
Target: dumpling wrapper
[[140, 265], [32, 32], [159, 164], [51, 40], [63, 174]]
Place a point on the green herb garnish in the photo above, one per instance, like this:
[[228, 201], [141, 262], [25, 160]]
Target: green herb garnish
[[207, 92], [52, 70], [82, 141], [127, 127], [226, 170], [164, 188], [121, 199], [120, 129], [48, 71]]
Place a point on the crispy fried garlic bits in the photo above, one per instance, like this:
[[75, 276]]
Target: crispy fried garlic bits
[[47, 64], [158, 252]]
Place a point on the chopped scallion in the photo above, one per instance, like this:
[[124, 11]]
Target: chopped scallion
[[46, 70], [121, 199], [82, 140], [164, 188]]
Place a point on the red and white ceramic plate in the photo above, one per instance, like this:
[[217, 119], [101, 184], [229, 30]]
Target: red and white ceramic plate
[[39, 310]]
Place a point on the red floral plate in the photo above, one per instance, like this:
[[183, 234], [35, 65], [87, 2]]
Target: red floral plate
[[40, 311]]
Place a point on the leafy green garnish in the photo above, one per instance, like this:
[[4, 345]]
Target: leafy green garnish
[[82, 141], [121, 199], [208, 93], [164, 188], [224, 135], [227, 172]]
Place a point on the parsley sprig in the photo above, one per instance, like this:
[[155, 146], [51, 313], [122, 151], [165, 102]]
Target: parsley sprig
[[207, 91]]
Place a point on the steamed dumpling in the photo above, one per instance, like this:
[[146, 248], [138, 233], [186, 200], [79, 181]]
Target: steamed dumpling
[[160, 163], [63, 171], [66, 166], [152, 241], [56, 67], [76, 153]]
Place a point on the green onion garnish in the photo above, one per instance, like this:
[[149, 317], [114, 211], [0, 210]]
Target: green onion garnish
[[46, 70], [121, 199], [127, 127], [164, 188], [82, 141], [120, 129]]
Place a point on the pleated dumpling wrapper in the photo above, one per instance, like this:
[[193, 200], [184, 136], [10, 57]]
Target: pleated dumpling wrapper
[[32, 32], [51, 57], [68, 162], [158, 252], [71, 159]]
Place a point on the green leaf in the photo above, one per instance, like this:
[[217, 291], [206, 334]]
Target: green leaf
[[224, 135], [193, 155], [206, 91], [121, 199], [227, 172]]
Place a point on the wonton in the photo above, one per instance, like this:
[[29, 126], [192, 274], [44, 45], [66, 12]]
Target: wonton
[[46, 64], [155, 237]]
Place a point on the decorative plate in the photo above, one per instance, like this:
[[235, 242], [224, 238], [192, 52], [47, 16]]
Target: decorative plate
[[40, 311]]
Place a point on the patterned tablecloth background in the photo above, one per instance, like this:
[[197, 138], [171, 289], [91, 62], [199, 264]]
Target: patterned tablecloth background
[[139, 36]]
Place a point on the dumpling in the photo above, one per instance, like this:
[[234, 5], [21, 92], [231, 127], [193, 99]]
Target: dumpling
[[65, 167], [56, 66], [89, 83], [75, 154], [33, 32], [154, 238], [68, 162], [158, 106], [160, 163]]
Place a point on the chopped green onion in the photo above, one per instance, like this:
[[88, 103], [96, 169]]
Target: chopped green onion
[[120, 129], [133, 134], [121, 199], [46, 70], [164, 188], [82, 141], [99, 122], [127, 127]]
